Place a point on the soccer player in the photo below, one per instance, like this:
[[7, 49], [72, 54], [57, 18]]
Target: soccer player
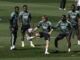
[[14, 23], [66, 30], [47, 30], [73, 16], [26, 18]]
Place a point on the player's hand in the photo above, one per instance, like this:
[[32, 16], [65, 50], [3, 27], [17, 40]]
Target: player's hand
[[49, 33], [18, 25], [12, 29]]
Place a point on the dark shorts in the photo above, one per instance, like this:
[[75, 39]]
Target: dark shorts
[[62, 35], [24, 28], [45, 35], [76, 26]]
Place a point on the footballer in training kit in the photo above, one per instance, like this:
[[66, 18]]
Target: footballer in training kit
[[14, 22], [46, 31], [73, 16], [66, 30], [26, 18]]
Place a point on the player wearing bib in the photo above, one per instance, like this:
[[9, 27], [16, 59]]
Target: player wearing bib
[[26, 19], [73, 18], [46, 31], [14, 22], [65, 28]]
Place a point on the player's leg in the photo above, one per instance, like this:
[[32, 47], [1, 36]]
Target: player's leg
[[13, 39], [29, 35], [22, 36], [31, 42], [78, 36], [47, 46], [64, 4], [68, 37], [61, 4], [47, 38], [59, 37]]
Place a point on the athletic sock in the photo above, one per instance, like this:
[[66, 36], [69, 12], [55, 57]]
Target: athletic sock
[[57, 49], [69, 49], [22, 42], [31, 42], [46, 50], [78, 42]]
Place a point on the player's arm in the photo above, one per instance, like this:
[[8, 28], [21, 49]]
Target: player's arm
[[18, 22], [78, 18], [31, 20], [79, 21], [35, 29], [51, 28], [50, 31], [57, 25], [11, 22], [68, 17]]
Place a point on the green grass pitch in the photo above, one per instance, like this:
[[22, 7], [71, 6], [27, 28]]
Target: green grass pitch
[[37, 9]]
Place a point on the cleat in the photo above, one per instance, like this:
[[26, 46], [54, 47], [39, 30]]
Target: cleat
[[22, 45], [12, 48], [69, 51], [47, 53], [78, 42], [32, 45]]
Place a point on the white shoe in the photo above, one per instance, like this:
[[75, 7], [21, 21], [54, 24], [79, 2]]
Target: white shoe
[[47, 53], [23, 45], [60, 8], [78, 42], [64, 9], [69, 51], [12, 48]]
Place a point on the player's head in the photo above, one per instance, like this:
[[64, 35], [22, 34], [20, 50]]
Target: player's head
[[44, 18], [16, 9], [73, 7], [63, 18], [25, 8]]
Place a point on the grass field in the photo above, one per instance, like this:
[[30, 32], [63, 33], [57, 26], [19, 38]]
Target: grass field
[[37, 9]]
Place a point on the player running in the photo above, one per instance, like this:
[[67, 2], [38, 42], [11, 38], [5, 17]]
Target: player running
[[14, 23], [66, 29], [26, 19], [47, 30], [73, 16]]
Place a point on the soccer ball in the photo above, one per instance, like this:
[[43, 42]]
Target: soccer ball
[[30, 30]]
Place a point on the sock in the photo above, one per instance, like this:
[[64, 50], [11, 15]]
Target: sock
[[69, 49], [22, 42], [31, 42], [57, 49], [46, 50]]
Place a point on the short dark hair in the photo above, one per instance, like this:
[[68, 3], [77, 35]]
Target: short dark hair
[[45, 16], [73, 5], [24, 5], [64, 16], [16, 7]]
